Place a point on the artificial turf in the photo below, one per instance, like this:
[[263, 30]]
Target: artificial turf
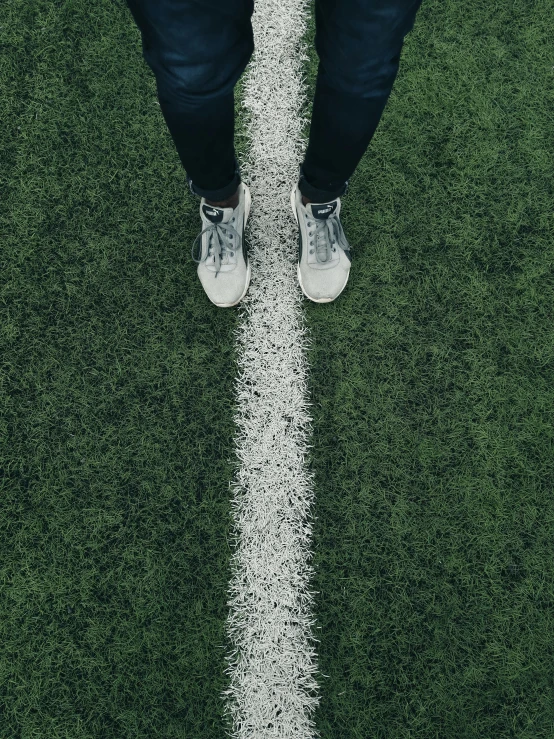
[[431, 381]]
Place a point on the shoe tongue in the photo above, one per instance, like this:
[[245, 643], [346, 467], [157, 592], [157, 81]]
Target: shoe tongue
[[216, 214], [323, 210]]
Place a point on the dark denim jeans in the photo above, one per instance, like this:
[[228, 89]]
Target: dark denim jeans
[[198, 49]]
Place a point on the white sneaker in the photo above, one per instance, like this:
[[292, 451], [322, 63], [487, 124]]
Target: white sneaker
[[223, 267], [324, 256]]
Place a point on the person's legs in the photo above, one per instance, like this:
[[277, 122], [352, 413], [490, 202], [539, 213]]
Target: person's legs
[[359, 44], [197, 50]]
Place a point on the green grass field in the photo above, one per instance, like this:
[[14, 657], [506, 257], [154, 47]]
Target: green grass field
[[432, 383]]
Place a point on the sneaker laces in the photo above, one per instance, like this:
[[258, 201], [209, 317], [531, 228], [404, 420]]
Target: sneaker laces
[[217, 243], [328, 231]]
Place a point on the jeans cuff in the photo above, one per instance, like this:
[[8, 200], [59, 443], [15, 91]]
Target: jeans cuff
[[216, 195], [317, 195]]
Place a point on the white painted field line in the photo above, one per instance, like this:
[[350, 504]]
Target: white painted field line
[[272, 658]]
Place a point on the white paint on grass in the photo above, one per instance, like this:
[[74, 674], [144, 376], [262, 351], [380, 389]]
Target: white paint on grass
[[272, 660]]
